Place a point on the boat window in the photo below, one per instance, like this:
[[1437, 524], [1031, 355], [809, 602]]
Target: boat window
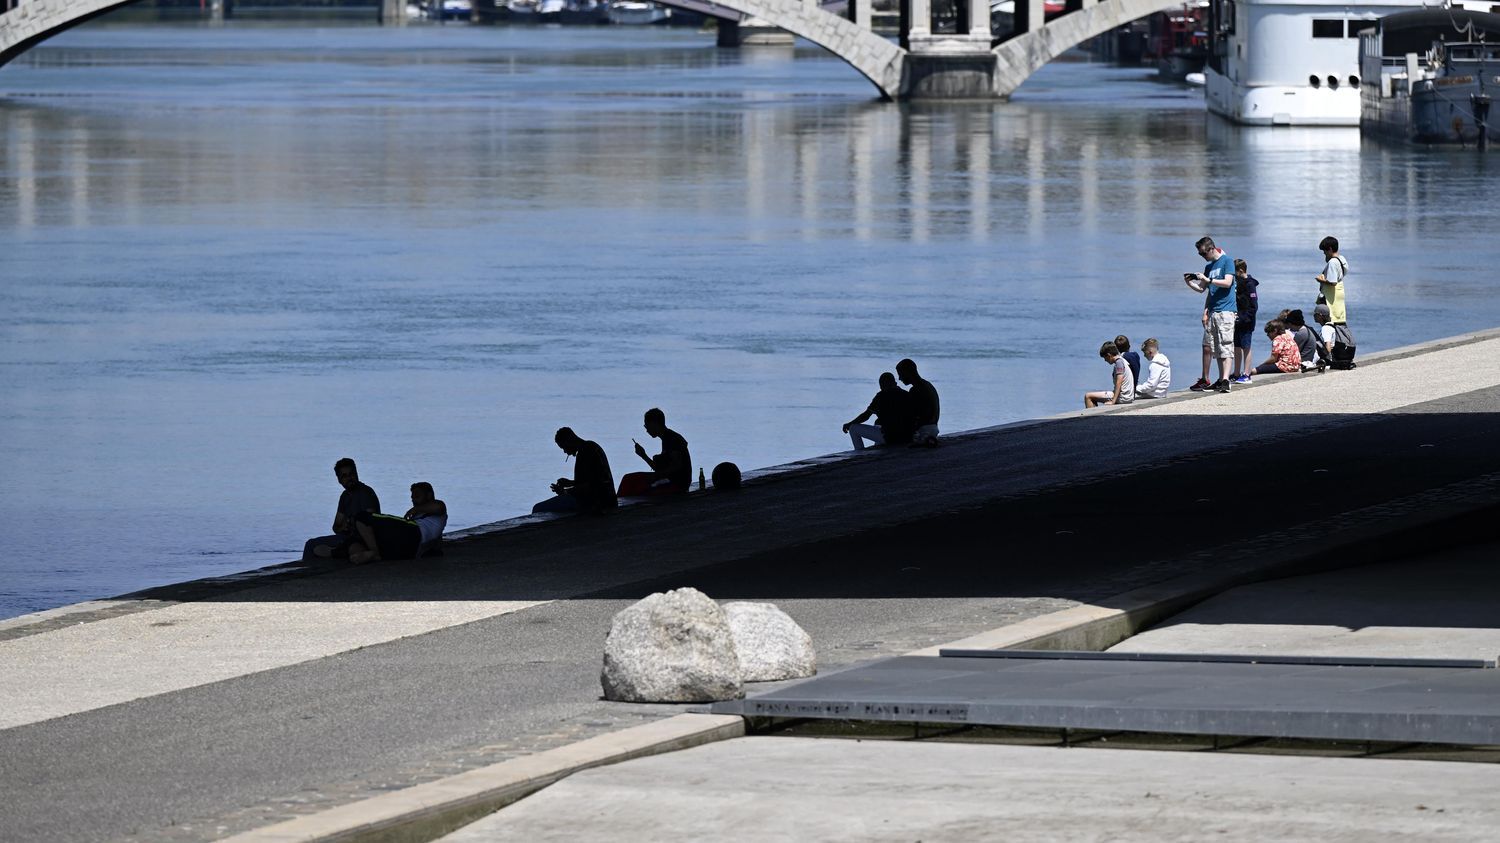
[[1358, 26], [1314, 81], [1323, 28]]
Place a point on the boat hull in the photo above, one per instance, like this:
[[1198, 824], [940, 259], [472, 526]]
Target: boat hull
[[1281, 105]]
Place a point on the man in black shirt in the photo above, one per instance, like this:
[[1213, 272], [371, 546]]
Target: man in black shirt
[[592, 488], [671, 471], [925, 405], [894, 420], [357, 498]]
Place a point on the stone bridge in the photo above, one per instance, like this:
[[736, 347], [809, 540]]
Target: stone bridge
[[968, 64]]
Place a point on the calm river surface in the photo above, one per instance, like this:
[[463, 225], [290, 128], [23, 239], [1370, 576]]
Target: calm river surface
[[230, 256]]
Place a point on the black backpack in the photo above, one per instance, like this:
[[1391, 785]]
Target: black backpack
[[1341, 356]]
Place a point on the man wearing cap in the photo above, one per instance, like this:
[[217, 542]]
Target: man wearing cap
[[1336, 341]]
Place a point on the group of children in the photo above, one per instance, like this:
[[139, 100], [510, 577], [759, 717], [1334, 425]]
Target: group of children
[[1229, 326], [1127, 384]]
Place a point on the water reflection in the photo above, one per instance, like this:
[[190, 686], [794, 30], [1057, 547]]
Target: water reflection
[[863, 170]]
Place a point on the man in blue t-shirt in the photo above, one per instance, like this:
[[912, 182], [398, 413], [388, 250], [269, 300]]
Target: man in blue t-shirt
[[1217, 278]]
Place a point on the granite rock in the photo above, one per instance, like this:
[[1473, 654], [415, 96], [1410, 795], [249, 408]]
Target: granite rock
[[771, 645], [671, 647]]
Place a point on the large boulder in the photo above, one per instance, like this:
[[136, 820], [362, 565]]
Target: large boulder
[[672, 647], [771, 645]]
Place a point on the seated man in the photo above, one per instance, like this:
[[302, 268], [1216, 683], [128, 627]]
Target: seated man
[[356, 498], [1336, 341], [1158, 375], [592, 488], [892, 408], [925, 405], [389, 537], [671, 470]]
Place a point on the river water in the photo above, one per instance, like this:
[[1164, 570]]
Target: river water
[[231, 255]]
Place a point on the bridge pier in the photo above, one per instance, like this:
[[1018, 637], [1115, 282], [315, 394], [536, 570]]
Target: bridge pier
[[393, 12], [950, 65]]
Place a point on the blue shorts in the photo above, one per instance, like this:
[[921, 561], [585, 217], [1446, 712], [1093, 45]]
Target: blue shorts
[[1243, 336]]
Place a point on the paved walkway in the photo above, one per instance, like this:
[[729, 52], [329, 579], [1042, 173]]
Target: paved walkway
[[790, 788], [808, 789], [1440, 608], [324, 686]]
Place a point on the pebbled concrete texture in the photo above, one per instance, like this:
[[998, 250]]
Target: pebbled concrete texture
[[808, 789], [1442, 608], [93, 665]]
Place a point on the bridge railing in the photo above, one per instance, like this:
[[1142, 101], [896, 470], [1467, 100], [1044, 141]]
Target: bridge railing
[[7, 5]]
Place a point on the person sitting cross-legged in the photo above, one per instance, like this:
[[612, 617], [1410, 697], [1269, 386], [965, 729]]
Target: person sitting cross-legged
[[926, 408]]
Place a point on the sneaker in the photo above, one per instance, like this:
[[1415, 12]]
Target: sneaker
[[1220, 385], [1201, 385], [1242, 379]]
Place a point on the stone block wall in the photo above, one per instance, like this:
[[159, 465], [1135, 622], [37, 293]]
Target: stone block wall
[[30, 22]]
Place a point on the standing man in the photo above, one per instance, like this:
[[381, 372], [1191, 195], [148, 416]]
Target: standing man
[[671, 470], [925, 405], [1331, 280], [1217, 278], [356, 499], [592, 488]]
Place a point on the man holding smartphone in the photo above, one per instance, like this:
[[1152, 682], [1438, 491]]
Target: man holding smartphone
[[1217, 279]]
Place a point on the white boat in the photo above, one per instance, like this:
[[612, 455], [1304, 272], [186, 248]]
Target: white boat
[[631, 13], [1281, 63], [522, 11]]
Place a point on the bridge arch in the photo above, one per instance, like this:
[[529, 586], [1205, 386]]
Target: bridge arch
[[31, 22], [1023, 54], [964, 66]]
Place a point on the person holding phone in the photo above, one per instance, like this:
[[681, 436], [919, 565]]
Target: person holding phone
[[671, 470], [1217, 280], [592, 488]]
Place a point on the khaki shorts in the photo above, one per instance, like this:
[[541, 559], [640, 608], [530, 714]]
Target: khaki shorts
[[1218, 334]]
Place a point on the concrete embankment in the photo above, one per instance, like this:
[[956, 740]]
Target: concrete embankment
[[229, 707]]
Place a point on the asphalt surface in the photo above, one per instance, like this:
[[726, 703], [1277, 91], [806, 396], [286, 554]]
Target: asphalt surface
[[987, 529]]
